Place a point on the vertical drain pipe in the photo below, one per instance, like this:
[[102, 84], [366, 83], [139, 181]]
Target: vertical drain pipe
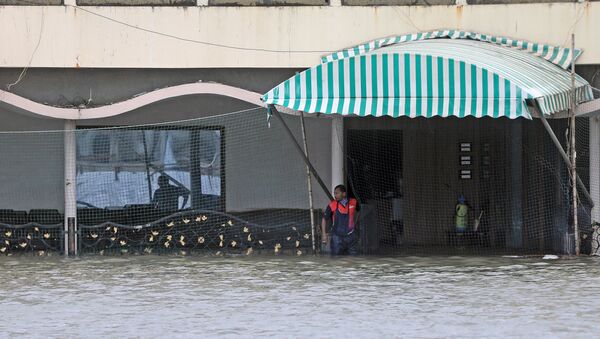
[[70, 194]]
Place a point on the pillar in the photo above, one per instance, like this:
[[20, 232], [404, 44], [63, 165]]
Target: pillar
[[70, 222]]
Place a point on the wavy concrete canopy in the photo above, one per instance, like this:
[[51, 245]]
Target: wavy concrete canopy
[[128, 105]]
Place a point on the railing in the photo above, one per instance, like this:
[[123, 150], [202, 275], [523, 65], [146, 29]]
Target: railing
[[34, 238], [195, 230], [182, 233]]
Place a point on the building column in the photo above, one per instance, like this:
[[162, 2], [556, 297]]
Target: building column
[[337, 151], [70, 173]]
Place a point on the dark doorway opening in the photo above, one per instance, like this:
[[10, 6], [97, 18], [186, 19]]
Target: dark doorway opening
[[374, 172]]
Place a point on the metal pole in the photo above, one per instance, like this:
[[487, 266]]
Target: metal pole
[[595, 182], [564, 155], [301, 152], [573, 151], [595, 166], [309, 183], [147, 161], [70, 175], [337, 151]]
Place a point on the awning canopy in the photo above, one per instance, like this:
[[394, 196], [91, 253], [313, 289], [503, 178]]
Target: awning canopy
[[441, 73]]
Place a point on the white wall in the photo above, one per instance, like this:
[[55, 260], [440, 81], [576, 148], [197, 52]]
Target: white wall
[[73, 38], [263, 169]]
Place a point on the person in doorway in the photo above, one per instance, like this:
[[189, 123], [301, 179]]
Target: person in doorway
[[166, 197], [342, 213]]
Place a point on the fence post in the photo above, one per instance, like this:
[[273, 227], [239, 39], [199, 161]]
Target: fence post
[[70, 175]]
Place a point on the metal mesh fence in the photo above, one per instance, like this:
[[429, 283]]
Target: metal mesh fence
[[234, 184], [486, 186], [223, 184]]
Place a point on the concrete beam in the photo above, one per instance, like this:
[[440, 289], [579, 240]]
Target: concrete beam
[[31, 107], [30, 2], [136, 2], [261, 37], [268, 2], [495, 2], [398, 2]]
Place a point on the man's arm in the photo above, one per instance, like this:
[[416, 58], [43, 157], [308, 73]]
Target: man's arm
[[185, 193]]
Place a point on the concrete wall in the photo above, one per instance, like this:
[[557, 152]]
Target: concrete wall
[[591, 73], [262, 169], [268, 2], [274, 2], [64, 87], [492, 2], [398, 2], [31, 2], [136, 2], [31, 165], [261, 37]]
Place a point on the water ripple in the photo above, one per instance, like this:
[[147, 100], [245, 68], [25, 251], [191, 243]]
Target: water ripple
[[421, 297]]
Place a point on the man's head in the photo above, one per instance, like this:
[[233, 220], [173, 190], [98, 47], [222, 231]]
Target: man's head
[[339, 193], [163, 180]]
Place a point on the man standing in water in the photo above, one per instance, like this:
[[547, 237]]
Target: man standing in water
[[343, 215]]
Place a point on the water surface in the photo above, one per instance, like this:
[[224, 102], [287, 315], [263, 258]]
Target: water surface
[[370, 297]]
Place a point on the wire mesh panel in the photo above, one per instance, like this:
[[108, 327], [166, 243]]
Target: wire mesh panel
[[235, 184], [227, 183], [464, 185], [31, 197]]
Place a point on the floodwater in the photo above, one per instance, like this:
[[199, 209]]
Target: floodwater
[[263, 296]]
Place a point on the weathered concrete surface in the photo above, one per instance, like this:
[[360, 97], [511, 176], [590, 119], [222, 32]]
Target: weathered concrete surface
[[30, 2], [72, 87], [136, 2], [252, 36], [495, 2], [397, 2], [591, 73], [245, 165], [268, 2]]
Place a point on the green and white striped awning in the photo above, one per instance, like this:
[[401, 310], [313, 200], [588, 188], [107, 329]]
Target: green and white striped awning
[[442, 73]]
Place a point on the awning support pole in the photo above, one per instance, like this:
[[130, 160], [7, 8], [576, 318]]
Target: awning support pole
[[337, 151], [301, 152], [595, 165], [565, 157], [574, 176], [595, 181], [309, 183]]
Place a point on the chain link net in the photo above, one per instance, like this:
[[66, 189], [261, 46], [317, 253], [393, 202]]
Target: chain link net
[[234, 184], [414, 176]]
